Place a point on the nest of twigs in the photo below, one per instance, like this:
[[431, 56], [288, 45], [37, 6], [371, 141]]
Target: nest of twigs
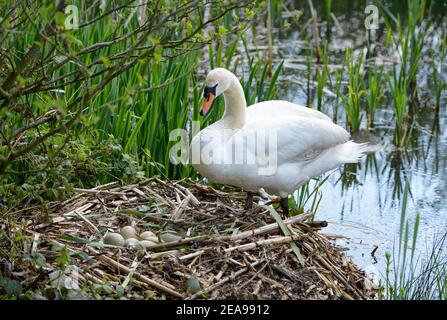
[[225, 252]]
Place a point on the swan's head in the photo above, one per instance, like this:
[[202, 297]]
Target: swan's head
[[217, 82]]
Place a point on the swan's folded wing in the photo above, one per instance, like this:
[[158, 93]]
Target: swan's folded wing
[[297, 138], [273, 108]]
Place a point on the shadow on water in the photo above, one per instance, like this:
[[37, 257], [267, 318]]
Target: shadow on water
[[362, 201]]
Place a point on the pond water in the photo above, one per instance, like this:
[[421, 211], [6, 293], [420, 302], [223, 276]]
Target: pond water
[[363, 202]]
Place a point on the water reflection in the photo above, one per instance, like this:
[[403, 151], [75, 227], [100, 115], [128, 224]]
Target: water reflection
[[362, 201]]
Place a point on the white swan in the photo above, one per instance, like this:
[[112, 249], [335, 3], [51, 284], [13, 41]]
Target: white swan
[[275, 145]]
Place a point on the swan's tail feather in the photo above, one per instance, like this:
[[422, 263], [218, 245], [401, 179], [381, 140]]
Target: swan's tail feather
[[351, 152], [348, 152]]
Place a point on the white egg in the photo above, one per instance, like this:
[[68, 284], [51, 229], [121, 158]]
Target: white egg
[[149, 235], [132, 243], [114, 239], [128, 232]]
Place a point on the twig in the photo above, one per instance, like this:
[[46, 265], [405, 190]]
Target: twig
[[180, 242], [142, 278], [264, 229], [88, 222], [191, 255], [234, 237], [93, 191], [223, 281], [253, 245], [179, 210], [189, 193]]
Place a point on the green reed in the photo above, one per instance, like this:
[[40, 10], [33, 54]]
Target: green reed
[[410, 43], [305, 195], [407, 278], [398, 91], [374, 92], [437, 67], [337, 88], [322, 74], [402, 81], [143, 119], [327, 8], [355, 91]]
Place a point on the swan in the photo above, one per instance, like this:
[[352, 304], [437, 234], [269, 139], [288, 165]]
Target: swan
[[275, 145]]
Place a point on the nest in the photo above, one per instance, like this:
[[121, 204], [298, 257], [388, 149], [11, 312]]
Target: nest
[[225, 252]]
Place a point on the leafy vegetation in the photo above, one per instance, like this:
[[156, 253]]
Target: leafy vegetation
[[407, 278], [98, 102]]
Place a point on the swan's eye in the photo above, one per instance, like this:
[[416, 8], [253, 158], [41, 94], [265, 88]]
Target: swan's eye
[[208, 90]]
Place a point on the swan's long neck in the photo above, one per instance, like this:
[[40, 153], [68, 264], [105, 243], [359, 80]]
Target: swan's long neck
[[235, 104]]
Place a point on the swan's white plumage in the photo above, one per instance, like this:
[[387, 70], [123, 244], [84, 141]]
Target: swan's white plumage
[[308, 143]]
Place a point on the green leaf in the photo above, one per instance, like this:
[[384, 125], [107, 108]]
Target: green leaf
[[135, 132], [59, 17], [74, 239], [222, 30], [157, 57], [13, 288], [105, 60], [286, 232]]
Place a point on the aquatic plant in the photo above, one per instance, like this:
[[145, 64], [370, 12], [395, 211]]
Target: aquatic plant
[[398, 88], [407, 278], [374, 89], [322, 73], [355, 91], [337, 88], [437, 67], [305, 194]]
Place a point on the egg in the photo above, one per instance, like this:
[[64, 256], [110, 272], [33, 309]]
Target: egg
[[149, 235], [128, 232], [114, 239], [132, 243], [169, 237], [193, 285], [147, 244]]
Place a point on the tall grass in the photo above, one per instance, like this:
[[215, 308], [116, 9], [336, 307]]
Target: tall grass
[[355, 91], [145, 124], [337, 88], [322, 76], [398, 89], [374, 92], [402, 81], [143, 106], [438, 82], [305, 194]]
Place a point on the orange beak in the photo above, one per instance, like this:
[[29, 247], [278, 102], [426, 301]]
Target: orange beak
[[207, 104]]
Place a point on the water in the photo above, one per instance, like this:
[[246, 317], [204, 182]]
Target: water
[[363, 202]]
